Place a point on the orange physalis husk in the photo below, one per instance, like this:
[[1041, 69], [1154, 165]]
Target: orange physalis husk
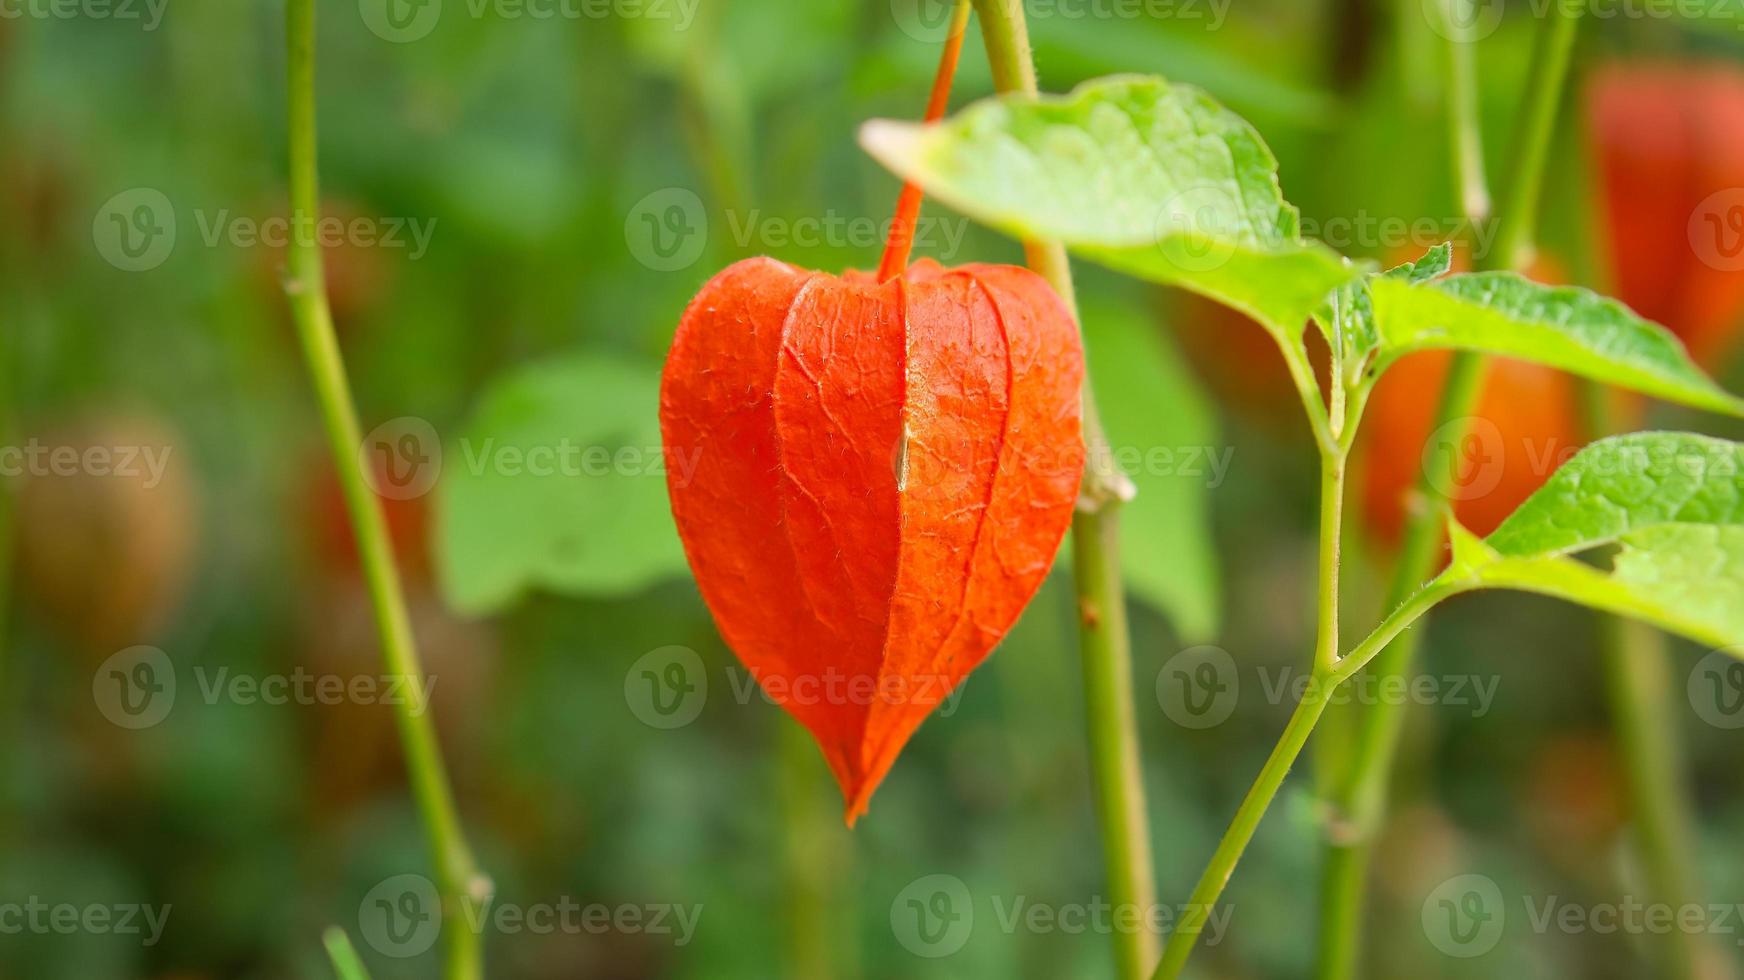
[[884, 473]]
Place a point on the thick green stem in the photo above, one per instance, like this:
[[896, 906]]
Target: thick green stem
[[1356, 798], [1114, 758], [1104, 643], [459, 882]]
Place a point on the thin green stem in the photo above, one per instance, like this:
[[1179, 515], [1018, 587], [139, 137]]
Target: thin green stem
[[1296, 732], [347, 965], [1241, 830], [1639, 688], [1356, 798], [1301, 724], [458, 880], [1105, 645], [1464, 134], [1302, 375], [1516, 235], [812, 862], [1331, 527]]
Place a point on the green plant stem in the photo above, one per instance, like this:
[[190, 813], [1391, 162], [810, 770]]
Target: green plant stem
[[1331, 527], [811, 859], [347, 965], [1114, 758], [458, 879], [1464, 134], [1301, 724], [1271, 778], [1638, 683], [1357, 797], [1640, 690], [1241, 829], [1105, 646]]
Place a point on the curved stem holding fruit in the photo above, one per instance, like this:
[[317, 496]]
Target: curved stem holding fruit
[[1355, 796], [459, 882], [901, 238], [1106, 647]]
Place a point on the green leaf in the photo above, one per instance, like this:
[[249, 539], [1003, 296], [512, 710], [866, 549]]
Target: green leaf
[[1564, 327], [557, 483], [1434, 264], [1348, 319], [1153, 179], [1671, 504], [347, 965], [1165, 438]]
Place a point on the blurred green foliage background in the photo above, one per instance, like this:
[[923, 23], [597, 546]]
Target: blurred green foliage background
[[542, 155]]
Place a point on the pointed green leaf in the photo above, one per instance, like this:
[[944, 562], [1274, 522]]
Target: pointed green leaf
[[1153, 179], [558, 482], [1347, 321], [1672, 504], [1434, 264], [1564, 327]]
